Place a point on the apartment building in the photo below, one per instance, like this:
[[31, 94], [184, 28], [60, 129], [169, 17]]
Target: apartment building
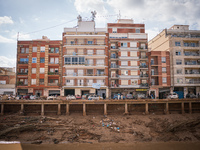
[[159, 73], [39, 67], [128, 62], [184, 48], [7, 80], [85, 60]]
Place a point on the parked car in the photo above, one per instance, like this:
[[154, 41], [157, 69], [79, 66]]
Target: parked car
[[129, 96], [70, 97], [94, 97], [19, 97], [26, 96], [51, 97], [115, 96], [192, 96], [33, 97], [78, 97], [141, 96], [172, 95]]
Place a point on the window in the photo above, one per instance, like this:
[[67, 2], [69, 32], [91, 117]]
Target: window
[[123, 53], [80, 72], [124, 72], [137, 31], [74, 60], [69, 82], [114, 30], [134, 82], [90, 52], [100, 52], [2, 82], [51, 50], [72, 42], [42, 49], [164, 80], [178, 53], [22, 70], [41, 70], [133, 72], [133, 44], [34, 49], [99, 62], [124, 82], [81, 60], [80, 82], [56, 50], [26, 70], [34, 60], [90, 42], [90, 82], [56, 61], [163, 59], [124, 63], [179, 71], [164, 70], [27, 50], [100, 82], [56, 69], [41, 81], [90, 61], [133, 63], [33, 70], [24, 60], [179, 80], [70, 72], [67, 60], [178, 62], [42, 60], [177, 43], [33, 81], [51, 60], [134, 54], [123, 44], [22, 50]]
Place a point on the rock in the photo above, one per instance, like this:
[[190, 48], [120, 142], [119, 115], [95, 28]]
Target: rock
[[37, 142], [56, 141]]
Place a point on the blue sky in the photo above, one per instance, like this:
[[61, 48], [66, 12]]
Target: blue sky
[[27, 16]]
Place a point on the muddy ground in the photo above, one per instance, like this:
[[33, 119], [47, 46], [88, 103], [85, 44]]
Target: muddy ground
[[100, 129]]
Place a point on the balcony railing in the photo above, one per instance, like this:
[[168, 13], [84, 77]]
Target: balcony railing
[[154, 73], [22, 62], [53, 84], [85, 43], [94, 53], [143, 57], [53, 62], [192, 63], [113, 57], [114, 66], [144, 75], [53, 73], [144, 84], [193, 82], [191, 54], [191, 45], [22, 73], [143, 66], [87, 74], [192, 72], [21, 83], [41, 83]]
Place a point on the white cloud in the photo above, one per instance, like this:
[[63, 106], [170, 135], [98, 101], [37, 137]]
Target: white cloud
[[7, 62], [152, 32], [86, 6], [6, 40], [6, 20]]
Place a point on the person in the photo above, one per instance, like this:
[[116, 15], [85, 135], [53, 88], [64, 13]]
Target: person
[[152, 96], [118, 96], [198, 95], [121, 96]]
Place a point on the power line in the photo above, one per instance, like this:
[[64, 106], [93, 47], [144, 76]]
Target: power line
[[50, 27]]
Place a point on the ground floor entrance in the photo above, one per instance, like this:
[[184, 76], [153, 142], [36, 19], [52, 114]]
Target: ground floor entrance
[[69, 92]]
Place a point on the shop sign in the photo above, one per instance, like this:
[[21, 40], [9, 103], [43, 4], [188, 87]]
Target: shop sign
[[141, 90]]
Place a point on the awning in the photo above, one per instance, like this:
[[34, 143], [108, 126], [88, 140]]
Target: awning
[[164, 90], [54, 92]]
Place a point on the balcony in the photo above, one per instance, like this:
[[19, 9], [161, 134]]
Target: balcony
[[143, 57], [144, 85], [192, 63], [190, 44], [143, 66], [41, 83], [191, 54], [113, 66], [87, 74], [154, 73], [53, 84], [22, 73], [19, 83], [143, 48], [53, 73], [54, 63], [22, 62], [82, 53], [144, 75], [84, 43], [192, 82]]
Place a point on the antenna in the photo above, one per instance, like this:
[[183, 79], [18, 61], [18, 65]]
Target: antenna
[[93, 15], [119, 15], [17, 36]]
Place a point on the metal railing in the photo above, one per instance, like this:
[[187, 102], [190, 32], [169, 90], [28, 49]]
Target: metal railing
[[53, 84], [22, 62], [144, 84], [193, 82], [53, 73], [143, 66], [22, 73]]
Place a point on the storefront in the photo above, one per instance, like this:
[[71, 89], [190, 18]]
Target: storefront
[[141, 93]]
